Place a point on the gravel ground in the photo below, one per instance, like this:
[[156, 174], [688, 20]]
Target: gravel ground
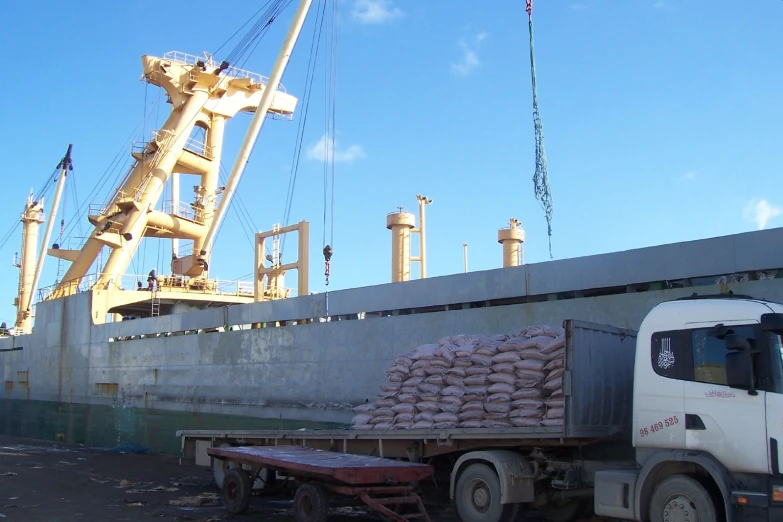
[[45, 481]]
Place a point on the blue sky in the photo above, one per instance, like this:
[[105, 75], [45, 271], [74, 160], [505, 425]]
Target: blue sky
[[662, 122]]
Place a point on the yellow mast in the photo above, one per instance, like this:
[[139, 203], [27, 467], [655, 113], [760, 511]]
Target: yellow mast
[[31, 218]]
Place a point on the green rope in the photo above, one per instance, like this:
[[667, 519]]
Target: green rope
[[540, 178]]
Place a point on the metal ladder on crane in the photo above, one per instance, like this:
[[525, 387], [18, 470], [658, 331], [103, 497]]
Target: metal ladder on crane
[[155, 304]]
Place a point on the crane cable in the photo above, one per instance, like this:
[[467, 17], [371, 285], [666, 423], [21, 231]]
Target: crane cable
[[242, 51], [322, 22], [540, 177], [315, 45], [330, 80]]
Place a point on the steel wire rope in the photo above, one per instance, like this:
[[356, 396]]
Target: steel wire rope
[[103, 179], [314, 48], [240, 27], [256, 34], [333, 115], [242, 213]]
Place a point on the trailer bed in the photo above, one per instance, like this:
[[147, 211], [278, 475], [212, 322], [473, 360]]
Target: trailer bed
[[354, 470]]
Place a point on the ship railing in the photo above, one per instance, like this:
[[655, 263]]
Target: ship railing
[[188, 59], [141, 147], [139, 282], [183, 210], [161, 139], [71, 243], [97, 209], [108, 209], [74, 286], [199, 147], [277, 292], [234, 72], [176, 283], [184, 250]]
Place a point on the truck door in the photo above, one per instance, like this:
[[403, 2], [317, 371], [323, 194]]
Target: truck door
[[774, 403], [724, 422], [775, 432]]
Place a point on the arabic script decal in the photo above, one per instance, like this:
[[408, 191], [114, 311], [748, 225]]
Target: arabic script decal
[[722, 394], [666, 355]]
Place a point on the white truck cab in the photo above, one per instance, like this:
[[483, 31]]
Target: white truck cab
[[707, 416]]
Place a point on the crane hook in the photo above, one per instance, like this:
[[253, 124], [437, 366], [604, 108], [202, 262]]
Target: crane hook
[[327, 262]]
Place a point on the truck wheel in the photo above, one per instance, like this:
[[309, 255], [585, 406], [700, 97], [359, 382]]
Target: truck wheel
[[237, 489], [310, 503], [679, 497], [477, 496]]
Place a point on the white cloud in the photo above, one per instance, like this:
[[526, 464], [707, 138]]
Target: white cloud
[[470, 59], [375, 11], [760, 212], [322, 151]]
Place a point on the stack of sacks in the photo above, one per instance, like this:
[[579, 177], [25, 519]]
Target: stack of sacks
[[472, 381]]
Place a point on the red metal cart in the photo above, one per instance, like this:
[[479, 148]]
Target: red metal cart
[[380, 483]]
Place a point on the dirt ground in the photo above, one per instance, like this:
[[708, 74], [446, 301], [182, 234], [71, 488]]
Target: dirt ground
[[44, 481]]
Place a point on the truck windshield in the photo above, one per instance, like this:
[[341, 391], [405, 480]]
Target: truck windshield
[[776, 361]]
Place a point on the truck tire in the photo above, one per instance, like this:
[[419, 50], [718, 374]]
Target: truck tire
[[310, 503], [683, 495], [477, 496]]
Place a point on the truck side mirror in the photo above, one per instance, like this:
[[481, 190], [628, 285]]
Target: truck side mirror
[[736, 342], [772, 323], [739, 364], [739, 371]]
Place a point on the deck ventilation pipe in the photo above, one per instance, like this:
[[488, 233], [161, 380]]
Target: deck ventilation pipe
[[403, 224], [512, 238]]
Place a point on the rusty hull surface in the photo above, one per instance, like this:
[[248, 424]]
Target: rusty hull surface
[[356, 470]]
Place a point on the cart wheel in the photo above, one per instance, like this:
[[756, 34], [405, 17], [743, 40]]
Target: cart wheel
[[236, 491], [310, 503]]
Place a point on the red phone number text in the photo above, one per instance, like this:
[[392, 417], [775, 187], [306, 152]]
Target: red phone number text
[[658, 426]]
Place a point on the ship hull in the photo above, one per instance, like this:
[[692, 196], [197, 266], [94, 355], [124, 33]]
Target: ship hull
[[139, 381]]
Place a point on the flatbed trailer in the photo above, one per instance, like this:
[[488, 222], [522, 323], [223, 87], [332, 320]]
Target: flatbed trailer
[[512, 463], [385, 485]]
